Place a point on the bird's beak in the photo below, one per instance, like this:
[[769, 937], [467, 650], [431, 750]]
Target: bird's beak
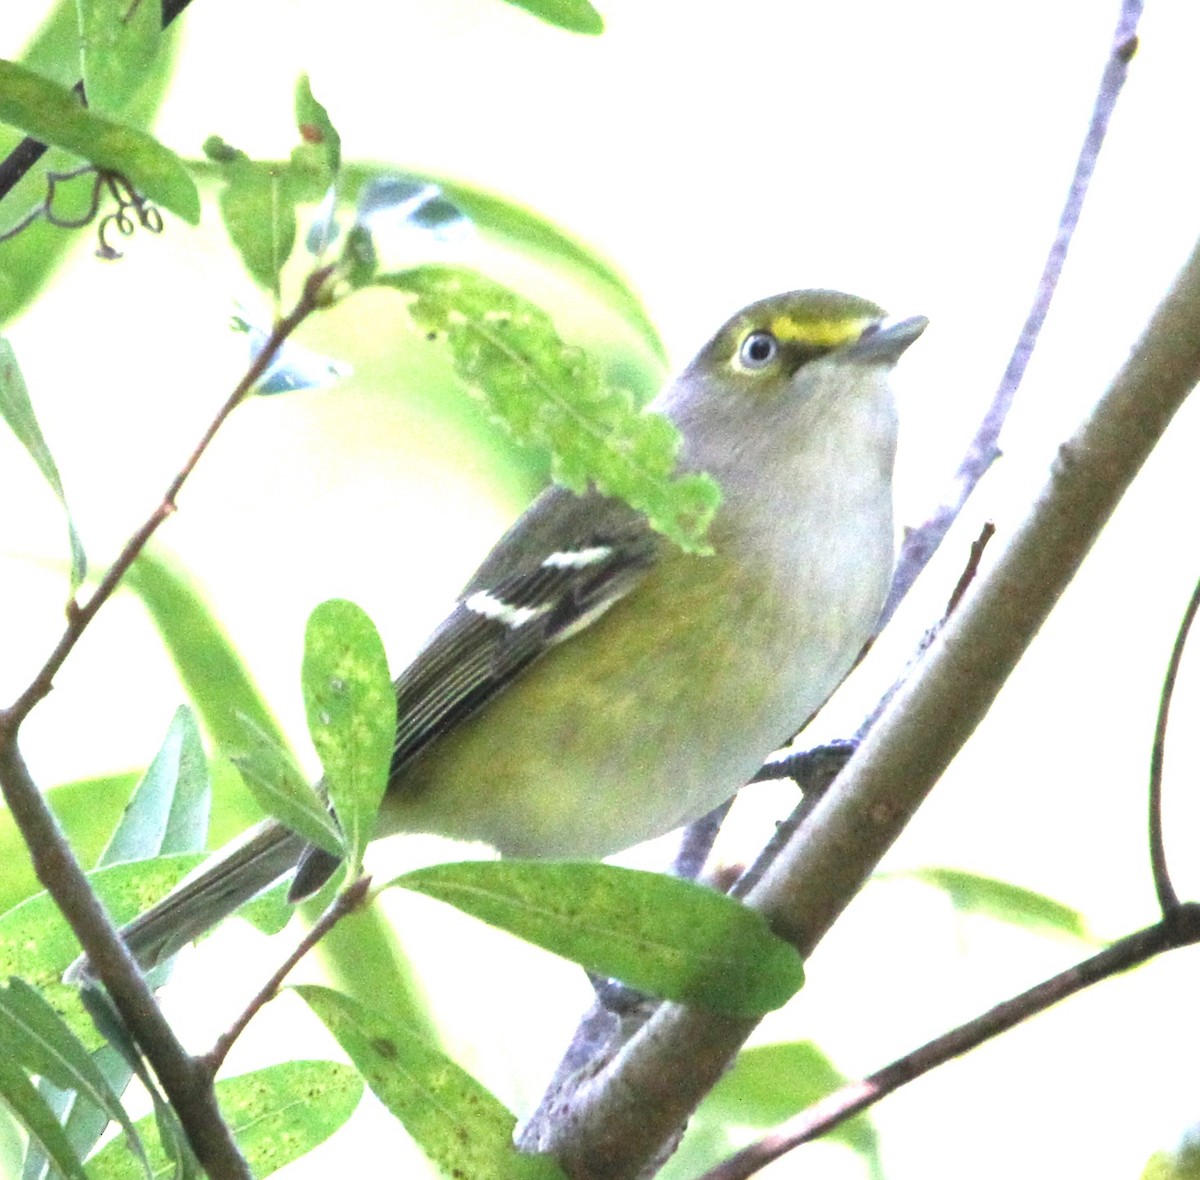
[[882, 343]]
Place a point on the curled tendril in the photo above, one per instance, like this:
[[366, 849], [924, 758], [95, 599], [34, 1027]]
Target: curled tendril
[[127, 197]]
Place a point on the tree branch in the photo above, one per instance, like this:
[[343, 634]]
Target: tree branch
[[1168, 899], [1180, 929], [623, 1113], [188, 1084], [922, 542]]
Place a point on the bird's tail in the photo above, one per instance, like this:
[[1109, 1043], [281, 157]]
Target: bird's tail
[[218, 889]]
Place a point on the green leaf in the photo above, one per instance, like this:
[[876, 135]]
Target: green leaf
[[169, 810], [533, 236], [37, 944], [358, 263], [317, 130], [282, 791], [551, 395], [576, 16], [34, 1035], [18, 413], [18, 1094], [771, 1083], [52, 114], [86, 810], [216, 679], [351, 708], [168, 813], [457, 1123], [660, 934], [270, 911], [276, 1114], [363, 957], [258, 206], [118, 42], [973, 894], [112, 1027], [31, 257]]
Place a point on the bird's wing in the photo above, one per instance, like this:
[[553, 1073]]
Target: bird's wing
[[564, 563], [558, 569]]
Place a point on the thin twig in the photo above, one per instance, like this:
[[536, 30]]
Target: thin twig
[[972, 568], [1181, 928], [697, 842], [922, 542], [1168, 899], [78, 617], [188, 1084], [346, 901]]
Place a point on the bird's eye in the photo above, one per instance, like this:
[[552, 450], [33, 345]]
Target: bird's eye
[[758, 349]]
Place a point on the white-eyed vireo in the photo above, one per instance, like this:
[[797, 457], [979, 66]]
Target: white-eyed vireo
[[594, 686]]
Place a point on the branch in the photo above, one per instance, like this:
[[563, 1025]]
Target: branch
[[78, 617], [1168, 899], [922, 542], [625, 1113], [346, 901], [1180, 929], [188, 1084]]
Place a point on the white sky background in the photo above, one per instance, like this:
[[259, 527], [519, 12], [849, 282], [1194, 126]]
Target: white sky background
[[913, 153]]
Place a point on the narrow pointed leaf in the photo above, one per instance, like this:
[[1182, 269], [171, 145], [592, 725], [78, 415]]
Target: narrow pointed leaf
[[112, 1027], [18, 413], [34, 1035], [576, 16], [35, 940], [29, 1107], [459, 1124], [771, 1083], [52, 114], [276, 1114], [168, 813], [351, 709], [281, 790], [660, 934], [974, 894], [217, 681], [169, 810], [317, 130], [258, 206]]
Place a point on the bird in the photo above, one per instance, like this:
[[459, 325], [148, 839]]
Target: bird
[[594, 686]]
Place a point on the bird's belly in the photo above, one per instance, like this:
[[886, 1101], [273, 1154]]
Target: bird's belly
[[688, 715]]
